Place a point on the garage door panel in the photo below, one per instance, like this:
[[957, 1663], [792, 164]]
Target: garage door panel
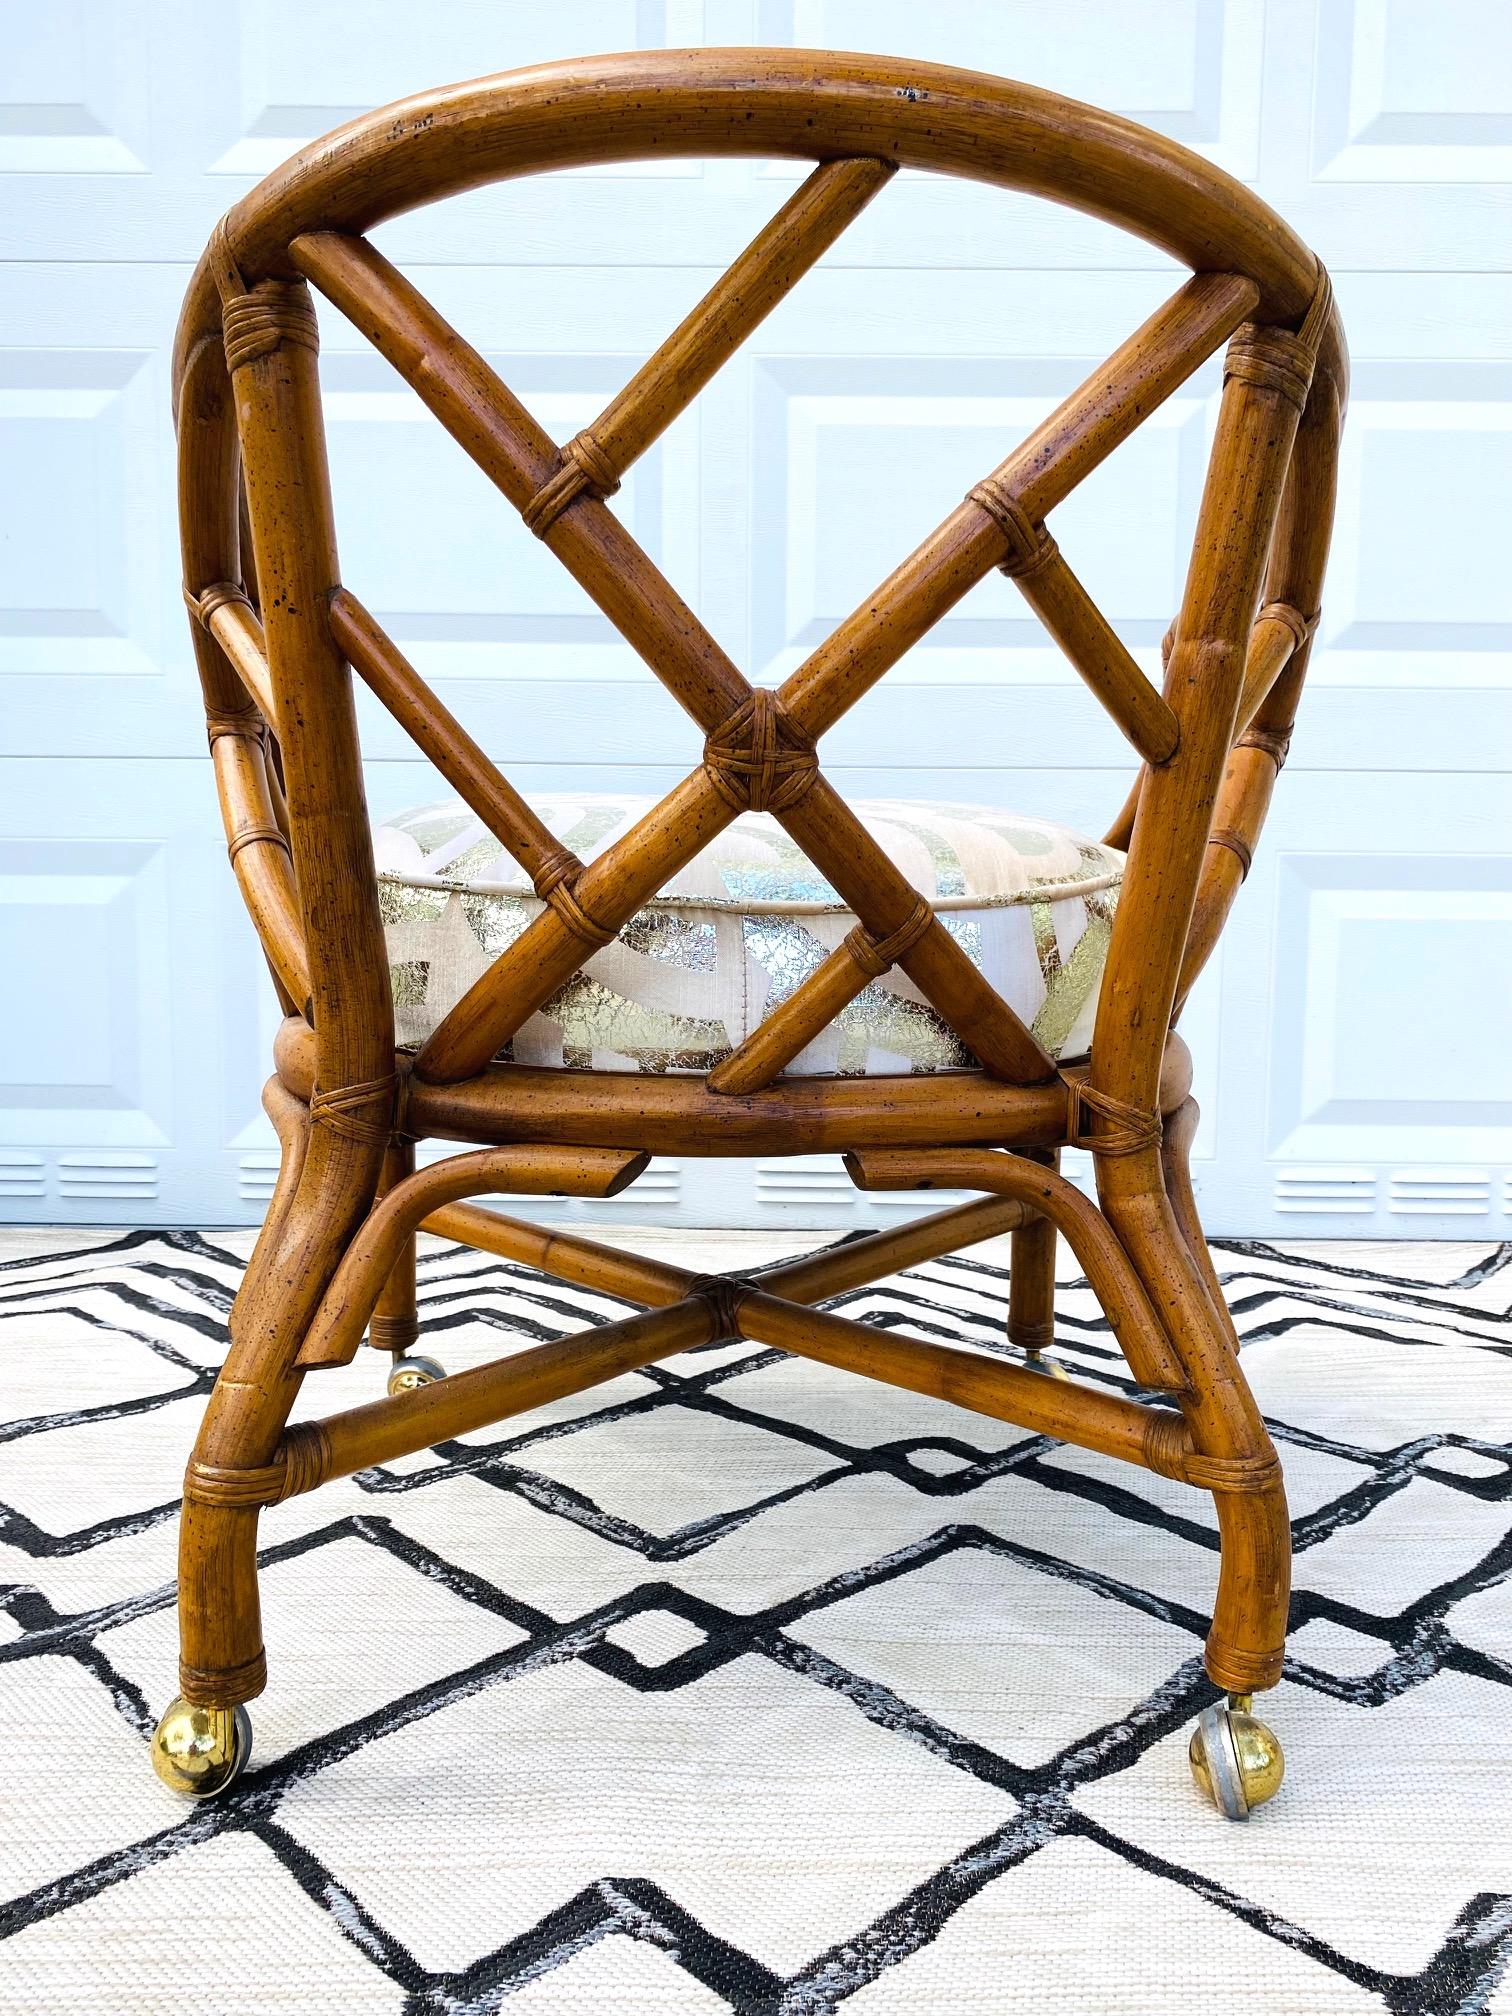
[[1348, 1062]]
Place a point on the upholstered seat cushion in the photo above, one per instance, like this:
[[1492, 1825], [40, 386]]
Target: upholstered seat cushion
[[737, 930]]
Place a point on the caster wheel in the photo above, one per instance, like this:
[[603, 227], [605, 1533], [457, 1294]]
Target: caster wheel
[[198, 1752], [1052, 1368], [1236, 1759], [410, 1373]]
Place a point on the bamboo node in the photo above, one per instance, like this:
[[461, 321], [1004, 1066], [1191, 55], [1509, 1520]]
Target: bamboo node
[[584, 466], [1238, 846], [1126, 1129], [1029, 545], [724, 1294], [346, 1110], [563, 900], [1274, 741], [256, 835], [245, 721], [273, 313], [218, 595], [1300, 626], [566, 483], [757, 760]]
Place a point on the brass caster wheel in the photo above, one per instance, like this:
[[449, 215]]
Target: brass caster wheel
[[1036, 1361], [409, 1373], [198, 1752], [1236, 1759]]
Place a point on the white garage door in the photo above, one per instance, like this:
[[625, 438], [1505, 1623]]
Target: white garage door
[[1352, 1043]]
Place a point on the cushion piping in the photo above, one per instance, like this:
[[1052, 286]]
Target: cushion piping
[[1042, 892]]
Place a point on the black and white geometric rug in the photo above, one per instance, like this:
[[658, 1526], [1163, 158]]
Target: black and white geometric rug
[[745, 1685]]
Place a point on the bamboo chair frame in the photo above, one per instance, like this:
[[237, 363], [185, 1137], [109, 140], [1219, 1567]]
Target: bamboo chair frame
[[276, 631]]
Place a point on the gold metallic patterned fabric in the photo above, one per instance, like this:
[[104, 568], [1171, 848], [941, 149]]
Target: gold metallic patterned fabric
[[738, 929]]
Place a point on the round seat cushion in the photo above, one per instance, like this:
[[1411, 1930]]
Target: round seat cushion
[[738, 929]]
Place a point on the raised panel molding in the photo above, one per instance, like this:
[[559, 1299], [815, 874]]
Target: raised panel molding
[[78, 538], [83, 924], [111, 1112], [132, 124], [443, 560], [856, 462], [1422, 594], [73, 95], [1393, 974], [1408, 93], [302, 70], [1191, 69]]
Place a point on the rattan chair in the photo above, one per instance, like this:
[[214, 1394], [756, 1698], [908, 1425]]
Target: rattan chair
[[998, 1094]]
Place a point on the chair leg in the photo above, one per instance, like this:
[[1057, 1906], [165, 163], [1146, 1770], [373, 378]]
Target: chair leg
[[1031, 1284], [1175, 1158], [1235, 1757], [203, 1739], [394, 1325]]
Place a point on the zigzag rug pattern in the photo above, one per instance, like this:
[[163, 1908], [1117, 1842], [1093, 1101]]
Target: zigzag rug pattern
[[741, 1684]]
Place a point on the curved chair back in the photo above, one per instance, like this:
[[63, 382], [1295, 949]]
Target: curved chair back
[[276, 629]]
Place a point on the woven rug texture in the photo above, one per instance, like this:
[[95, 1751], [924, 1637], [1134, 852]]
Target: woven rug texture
[[744, 1684]]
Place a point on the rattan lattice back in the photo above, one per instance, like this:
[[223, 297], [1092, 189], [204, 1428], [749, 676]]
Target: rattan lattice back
[[760, 749], [276, 631]]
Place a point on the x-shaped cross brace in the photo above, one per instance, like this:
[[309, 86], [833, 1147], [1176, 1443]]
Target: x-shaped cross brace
[[759, 752]]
